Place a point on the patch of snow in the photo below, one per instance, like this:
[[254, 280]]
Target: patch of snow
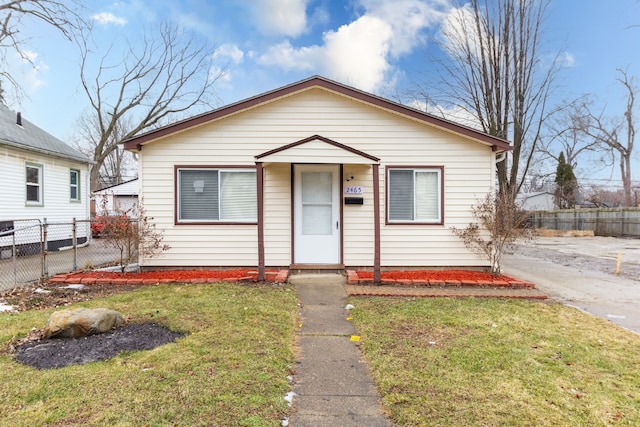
[[349, 307], [616, 316], [130, 268], [285, 422], [42, 291], [74, 286], [289, 397], [5, 308]]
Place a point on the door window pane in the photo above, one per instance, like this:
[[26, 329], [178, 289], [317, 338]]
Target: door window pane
[[316, 203]]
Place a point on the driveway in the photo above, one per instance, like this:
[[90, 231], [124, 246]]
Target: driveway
[[581, 272]]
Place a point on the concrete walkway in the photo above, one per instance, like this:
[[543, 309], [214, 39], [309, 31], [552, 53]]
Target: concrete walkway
[[332, 382]]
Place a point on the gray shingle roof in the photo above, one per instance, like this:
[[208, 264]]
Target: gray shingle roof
[[31, 137]]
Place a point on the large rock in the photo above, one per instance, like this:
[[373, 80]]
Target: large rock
[[80, 322]]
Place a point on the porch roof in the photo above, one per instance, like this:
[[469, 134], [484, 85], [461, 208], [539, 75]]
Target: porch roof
[[317, 149]]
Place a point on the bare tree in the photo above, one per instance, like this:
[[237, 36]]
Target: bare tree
[[118, 162], [164, 75], [61, 14], [565, 132], [496, 72], [617, 135], [498, 222]]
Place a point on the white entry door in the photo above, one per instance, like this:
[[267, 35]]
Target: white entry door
[[316, 214]]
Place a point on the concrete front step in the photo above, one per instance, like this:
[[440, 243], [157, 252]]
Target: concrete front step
[[318, 279]]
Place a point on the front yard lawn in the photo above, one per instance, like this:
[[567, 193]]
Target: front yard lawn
[[230, 369], [491, 362]]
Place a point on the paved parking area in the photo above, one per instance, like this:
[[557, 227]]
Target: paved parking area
[[581, 272]]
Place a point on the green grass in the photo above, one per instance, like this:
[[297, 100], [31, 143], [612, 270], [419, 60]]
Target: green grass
[[230, 369], [461, 362]]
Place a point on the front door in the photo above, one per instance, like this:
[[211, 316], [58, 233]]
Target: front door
[[316, 214]]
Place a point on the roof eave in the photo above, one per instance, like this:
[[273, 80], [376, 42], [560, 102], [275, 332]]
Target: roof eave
[[85, 160]]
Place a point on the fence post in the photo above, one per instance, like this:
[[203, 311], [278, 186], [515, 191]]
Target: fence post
[[74, 243], [15, 261], [45, 248]]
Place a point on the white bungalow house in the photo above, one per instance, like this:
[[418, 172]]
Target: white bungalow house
[[314, 175], [42, 179]]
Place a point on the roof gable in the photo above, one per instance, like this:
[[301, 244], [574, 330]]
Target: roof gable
[[310, 149], [30, 137], [497, 144]]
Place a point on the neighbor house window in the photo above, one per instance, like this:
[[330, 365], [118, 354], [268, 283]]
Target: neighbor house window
[[74, 185], [223, 195], [34, 183], [414, 195]]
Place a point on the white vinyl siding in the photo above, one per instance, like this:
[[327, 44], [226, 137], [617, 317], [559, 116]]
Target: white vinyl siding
[[467, 174], [414, 195], [34, 183], [211, 195], [54, 204]]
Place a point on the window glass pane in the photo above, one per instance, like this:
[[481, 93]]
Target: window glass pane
[[33, 183], [427, 203], [33, 193], [198, 193], [401, 195], [238, 196], [73, 189], [33, 175]]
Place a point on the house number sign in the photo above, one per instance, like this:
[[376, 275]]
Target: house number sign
[[353, 189]]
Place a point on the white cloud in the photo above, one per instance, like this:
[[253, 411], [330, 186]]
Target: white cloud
[[408, 19], [106, 18], [567, 60], [229, 52], [225, 56], [28, 71], [360, 53], [280, 17]]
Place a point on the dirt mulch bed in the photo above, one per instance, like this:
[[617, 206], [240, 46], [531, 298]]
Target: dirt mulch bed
[[60, 352]]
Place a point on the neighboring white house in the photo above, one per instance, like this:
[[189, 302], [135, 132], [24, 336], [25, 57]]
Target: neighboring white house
[[120, 197], [42, 178], [538, 201], [313, 175]]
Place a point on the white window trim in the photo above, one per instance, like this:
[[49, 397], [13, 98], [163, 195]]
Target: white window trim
[[220, 170], [40, 184], [76, 185], [430, 221]]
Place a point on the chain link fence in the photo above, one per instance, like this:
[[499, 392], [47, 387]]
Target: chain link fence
[[33, 250]]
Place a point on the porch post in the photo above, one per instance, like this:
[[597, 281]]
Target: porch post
[[259, 183], [376, 224]]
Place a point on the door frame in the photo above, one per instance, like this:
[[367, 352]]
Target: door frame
[[338, 199]]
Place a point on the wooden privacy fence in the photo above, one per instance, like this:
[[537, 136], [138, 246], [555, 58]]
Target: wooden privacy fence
[[615, 222]]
